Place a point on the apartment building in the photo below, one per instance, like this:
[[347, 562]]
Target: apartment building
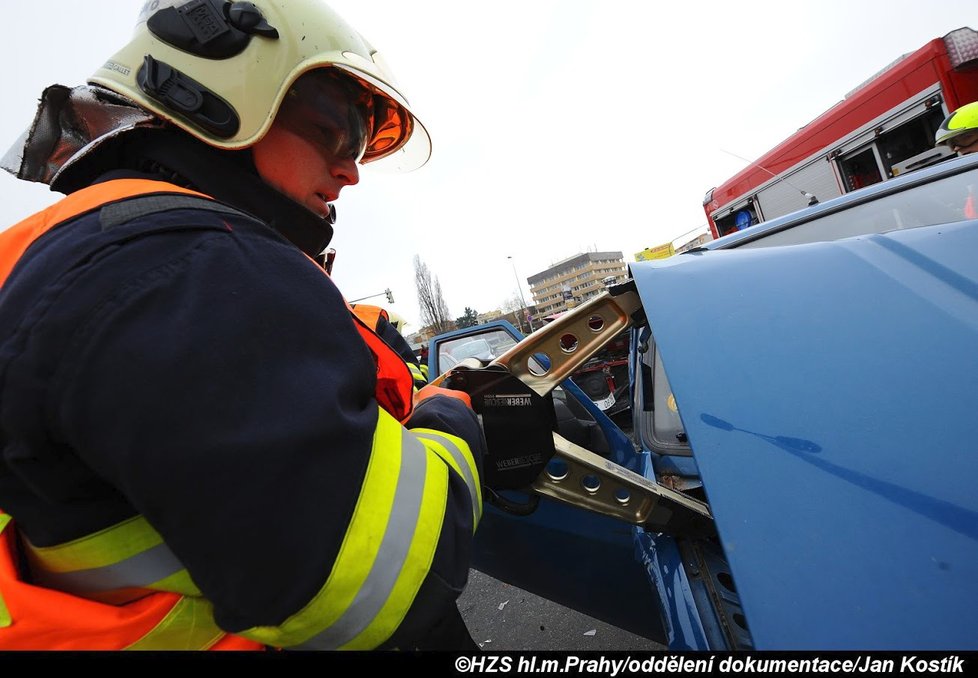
[[573, 281]]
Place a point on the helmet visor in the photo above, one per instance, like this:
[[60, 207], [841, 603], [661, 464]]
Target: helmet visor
[[331, 111], [964, 140], [398, 140]]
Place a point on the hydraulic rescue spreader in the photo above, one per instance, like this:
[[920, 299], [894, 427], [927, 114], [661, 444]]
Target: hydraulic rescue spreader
[[512, 396]]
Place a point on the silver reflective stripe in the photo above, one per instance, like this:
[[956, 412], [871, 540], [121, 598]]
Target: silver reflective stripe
[[462, 464], [394, 546], [139, 571]]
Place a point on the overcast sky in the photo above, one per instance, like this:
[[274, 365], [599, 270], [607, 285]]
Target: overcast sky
[[558, 126]]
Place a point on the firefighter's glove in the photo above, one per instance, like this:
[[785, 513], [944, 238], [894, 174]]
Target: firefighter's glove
[[449, 411], [432, 390]]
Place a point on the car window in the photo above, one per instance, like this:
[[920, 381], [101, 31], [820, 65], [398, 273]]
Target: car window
[[473, 349], [446, 362], [486, 346], [662, 427], [943, 201], [667, 425]]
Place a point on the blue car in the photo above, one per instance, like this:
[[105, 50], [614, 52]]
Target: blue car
[[803, 463]]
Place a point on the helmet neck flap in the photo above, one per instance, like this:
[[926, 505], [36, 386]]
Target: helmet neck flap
[[80, 135]]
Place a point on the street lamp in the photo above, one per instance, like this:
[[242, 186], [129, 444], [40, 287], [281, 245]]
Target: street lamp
[[519, 288]]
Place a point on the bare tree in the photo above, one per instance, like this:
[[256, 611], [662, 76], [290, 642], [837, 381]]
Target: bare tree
[[512, 304], [515, 306], [434, 310]]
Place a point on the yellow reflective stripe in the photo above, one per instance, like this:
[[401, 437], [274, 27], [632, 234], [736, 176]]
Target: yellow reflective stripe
[[419, 377], [424, 371], [394, 557], [129, 555], [417, 563], [386, 552], [188, 626], [179, 582], [5, 618], [456, 454], [118, 542], [358, 550]]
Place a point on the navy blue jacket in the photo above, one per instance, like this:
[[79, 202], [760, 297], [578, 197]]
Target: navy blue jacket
[[195, 368]]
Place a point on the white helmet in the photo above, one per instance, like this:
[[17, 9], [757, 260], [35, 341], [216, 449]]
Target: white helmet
[[220, 70]]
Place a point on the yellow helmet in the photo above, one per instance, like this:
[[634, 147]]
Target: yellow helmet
[[220, 69], [959, 123]]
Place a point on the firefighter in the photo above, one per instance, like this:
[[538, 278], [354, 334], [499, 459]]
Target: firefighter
[[201, 446], [959, 131], [397, 322], [419, 370], [388, 326]]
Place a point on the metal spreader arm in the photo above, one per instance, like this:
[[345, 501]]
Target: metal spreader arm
[[574, 474]]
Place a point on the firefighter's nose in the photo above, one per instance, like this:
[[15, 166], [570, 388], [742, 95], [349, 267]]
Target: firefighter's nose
[[346, 171]]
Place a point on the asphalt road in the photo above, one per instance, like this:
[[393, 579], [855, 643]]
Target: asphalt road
[[503, 617]]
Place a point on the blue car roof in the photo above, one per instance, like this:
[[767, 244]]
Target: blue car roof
[[830, 395]]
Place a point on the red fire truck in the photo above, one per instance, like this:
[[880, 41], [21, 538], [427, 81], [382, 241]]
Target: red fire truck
[[883, 128]]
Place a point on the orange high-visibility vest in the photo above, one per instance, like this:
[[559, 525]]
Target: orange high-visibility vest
[[39, 618], [369, 314], [970, 211]]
